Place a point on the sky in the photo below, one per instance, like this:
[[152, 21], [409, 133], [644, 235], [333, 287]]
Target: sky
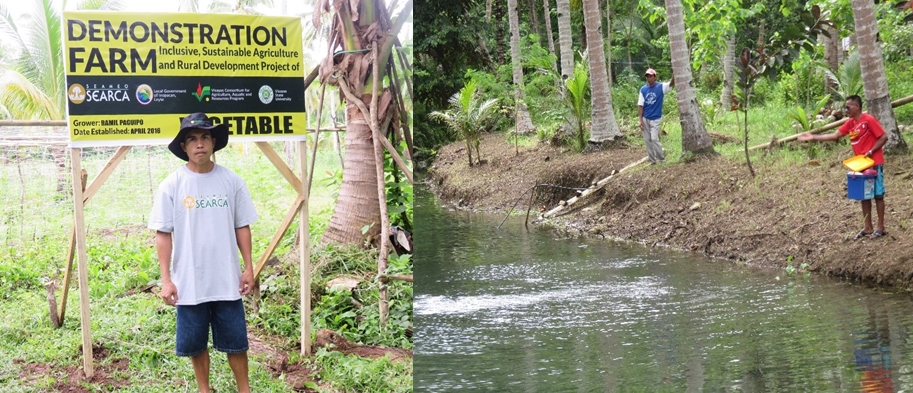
[[292, 8], [313, 50]]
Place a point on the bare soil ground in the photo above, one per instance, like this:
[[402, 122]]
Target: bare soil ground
[[786, 215], [111, 373]]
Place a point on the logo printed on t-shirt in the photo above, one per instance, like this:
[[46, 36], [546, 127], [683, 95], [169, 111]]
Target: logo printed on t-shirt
[[651, 98], [205, 202], [858, 131]]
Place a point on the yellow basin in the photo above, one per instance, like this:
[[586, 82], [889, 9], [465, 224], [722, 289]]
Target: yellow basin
[[858, 163]]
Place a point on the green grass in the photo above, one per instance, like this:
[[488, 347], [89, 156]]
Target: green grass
[[764, 123], [35, 230], [361, 375]]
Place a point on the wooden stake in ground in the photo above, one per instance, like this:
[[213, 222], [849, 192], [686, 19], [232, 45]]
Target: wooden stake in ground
[[304, 254], [299, 207], [57, 318], [82, 255], [88, 193]]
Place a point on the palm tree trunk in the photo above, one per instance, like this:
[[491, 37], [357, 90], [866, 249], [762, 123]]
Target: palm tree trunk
[[695, 139], [548, 33], [628, 34], [498, 25], [583, 43], [523, 122], [608, 42], [728, 73], [534, 18], [873, 75], [831, 56], [604, 128], [358, 204], [565, 43]]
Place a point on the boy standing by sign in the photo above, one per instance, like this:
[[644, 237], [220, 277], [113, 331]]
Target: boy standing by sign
[[867, 137], [202, 215]]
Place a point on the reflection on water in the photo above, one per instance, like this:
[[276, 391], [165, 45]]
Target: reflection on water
[[513, 310], [872, 352]]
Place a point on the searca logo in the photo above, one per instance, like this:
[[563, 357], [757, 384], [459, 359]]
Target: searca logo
[[76, 93], [205, 202], [98, 92]]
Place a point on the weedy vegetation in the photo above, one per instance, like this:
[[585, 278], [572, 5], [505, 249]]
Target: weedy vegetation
[[129, 321]]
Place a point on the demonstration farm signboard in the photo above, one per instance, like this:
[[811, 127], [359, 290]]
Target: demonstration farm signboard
[[131, 77]]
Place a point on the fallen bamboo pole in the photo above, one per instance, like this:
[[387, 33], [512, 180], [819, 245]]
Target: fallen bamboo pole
[[592, 189], [838, 123], [385, 278], [384, 306]]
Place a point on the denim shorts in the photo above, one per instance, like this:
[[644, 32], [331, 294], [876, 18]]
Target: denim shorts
[[879, 182], [229, 328]]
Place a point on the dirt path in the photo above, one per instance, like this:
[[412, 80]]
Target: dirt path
[[787, 215]]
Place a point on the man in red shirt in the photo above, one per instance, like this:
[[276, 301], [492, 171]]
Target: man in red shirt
[[867, 137]]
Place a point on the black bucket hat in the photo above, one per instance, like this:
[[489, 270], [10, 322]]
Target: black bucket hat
[[200, 121]]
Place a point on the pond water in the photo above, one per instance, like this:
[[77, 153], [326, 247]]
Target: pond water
[[516, 310]]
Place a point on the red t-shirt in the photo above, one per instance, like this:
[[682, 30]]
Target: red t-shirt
[[863, 134]]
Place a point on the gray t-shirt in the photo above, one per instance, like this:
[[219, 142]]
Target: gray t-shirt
[[202, 211]]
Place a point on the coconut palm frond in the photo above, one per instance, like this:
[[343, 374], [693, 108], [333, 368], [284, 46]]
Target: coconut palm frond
[[456, 104], [189, 6], [798, 115], [34, 67], [9, 31], [850, 75], [115, 5], [312, 32], [254, 3], [487, 107], [847, 78], [46, 48], [24, 100], [467, 95], [223, 7], [577, 88], [467, 117], [450, 120], [89, 5]]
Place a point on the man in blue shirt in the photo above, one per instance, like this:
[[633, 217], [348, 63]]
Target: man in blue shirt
[[650, 113]]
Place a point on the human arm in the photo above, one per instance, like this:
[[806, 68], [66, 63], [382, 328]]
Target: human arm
[[807, 136], [878, 144], [672, 82], [244, 244], [640, 115], [163, 246], [640, 106]]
